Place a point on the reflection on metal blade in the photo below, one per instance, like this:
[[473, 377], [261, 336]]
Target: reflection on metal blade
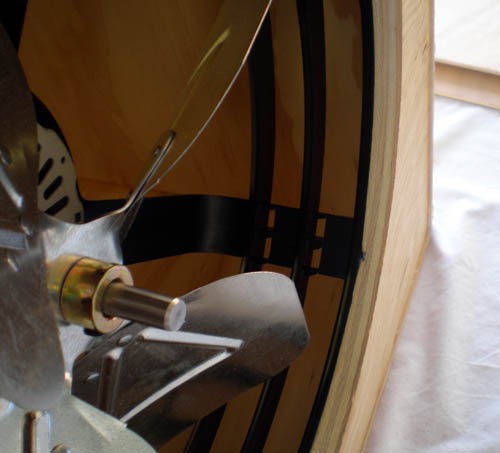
[[239, 331], [228, 45], [31, 363]]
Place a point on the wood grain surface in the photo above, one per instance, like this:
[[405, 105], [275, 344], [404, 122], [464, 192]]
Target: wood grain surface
[[397, 220], [467, 84]]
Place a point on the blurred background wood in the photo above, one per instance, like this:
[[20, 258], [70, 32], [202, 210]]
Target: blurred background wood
[[467, 84]]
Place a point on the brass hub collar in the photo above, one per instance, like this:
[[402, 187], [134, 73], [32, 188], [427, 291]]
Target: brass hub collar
[[79, 285]]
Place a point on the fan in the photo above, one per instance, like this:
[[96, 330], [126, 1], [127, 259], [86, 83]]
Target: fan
[[240, 330]]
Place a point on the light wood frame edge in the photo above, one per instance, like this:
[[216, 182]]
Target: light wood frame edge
[[396, 224]]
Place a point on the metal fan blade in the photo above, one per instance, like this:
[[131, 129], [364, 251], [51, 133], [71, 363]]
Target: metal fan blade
[[72, 426], [239, 331], [31, 370], [229, 43]]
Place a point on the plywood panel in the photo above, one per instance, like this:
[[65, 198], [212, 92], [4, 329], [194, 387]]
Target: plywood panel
[[111, 73], [321, 308], [343, 38], [397, 219], [289, 88], [237, 418], [343, 52]]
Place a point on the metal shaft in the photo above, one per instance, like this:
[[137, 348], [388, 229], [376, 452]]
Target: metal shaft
[[145, 307]]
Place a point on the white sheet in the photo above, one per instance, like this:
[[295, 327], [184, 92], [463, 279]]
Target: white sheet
[[443, 391], [468, 32]]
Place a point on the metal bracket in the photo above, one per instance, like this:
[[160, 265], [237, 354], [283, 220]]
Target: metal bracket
[[168, 226], [334, 243]]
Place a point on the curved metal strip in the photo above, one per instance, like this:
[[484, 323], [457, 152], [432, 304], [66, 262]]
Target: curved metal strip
[[230, 226], [359, 219], [310, 14]]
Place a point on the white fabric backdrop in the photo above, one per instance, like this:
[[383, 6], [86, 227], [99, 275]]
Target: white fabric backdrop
[[468, 32], [443, 391]]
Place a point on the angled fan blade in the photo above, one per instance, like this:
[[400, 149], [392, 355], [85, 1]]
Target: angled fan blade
[[239, 331], [229, 43], [31, 362]]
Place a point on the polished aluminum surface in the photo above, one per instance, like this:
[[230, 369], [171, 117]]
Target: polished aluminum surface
[[30, 350], [12, 236], [168, 376], [145, 307], [73, 424], [97, 239]]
